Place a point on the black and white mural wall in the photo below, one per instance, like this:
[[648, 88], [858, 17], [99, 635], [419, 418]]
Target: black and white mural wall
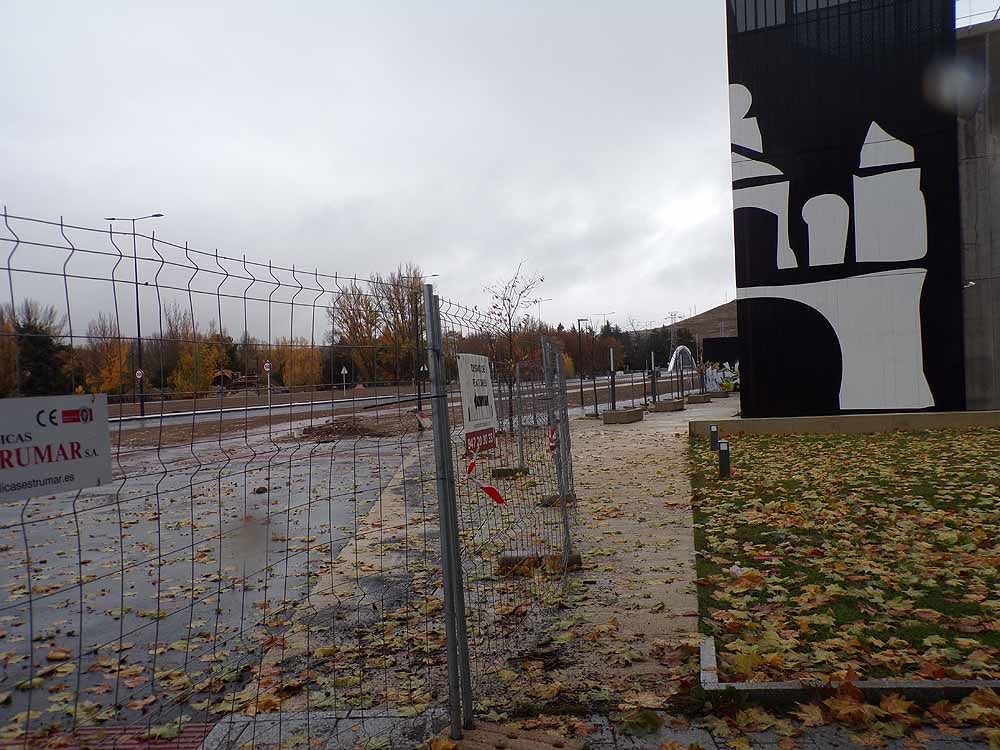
[[846, 207]]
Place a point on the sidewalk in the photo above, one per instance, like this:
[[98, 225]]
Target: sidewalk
[[628, 642]]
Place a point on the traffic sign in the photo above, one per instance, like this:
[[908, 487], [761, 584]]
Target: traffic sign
[[267, 365], [343, 370], [139, 374]]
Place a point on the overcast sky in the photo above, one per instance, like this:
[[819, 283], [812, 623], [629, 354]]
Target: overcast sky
[[588, 138]]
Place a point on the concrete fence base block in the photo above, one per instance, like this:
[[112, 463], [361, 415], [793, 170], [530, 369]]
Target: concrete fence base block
[[699, 398], [623, 416], [524, 565], [552, 501], [923, 692], [509, 472], [719, 394], [674, 404]]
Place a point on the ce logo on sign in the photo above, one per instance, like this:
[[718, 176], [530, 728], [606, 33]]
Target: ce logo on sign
[[41, 418]]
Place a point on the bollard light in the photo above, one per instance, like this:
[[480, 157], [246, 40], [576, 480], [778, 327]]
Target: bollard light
[[713, 436], [724, 459]]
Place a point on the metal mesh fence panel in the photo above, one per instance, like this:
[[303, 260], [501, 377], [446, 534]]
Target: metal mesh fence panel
[[512, 528], [264, 568]]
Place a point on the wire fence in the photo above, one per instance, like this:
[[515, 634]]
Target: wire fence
[[266, 566]]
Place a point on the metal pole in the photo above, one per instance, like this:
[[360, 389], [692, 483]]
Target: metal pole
[[417, 373], [550, 369], [564, 443], [652, 374], [520, 420], [593, 377], [579, 367], [138, 324], [459, 674], [611, 383]]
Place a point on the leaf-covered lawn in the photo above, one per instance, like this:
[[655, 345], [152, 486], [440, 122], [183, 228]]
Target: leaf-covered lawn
[[852, 556]]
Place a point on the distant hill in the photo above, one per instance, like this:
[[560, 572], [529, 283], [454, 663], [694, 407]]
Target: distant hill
[[719, 321]]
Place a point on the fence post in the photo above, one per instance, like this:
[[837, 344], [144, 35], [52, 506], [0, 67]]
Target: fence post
[[520, 417], [459, 686], [551, 368], [565, 446]]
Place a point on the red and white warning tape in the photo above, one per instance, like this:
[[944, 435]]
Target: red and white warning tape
[[492, 492]]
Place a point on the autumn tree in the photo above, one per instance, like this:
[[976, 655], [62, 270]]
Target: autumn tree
[[511, 299], [43, 362], [106, 359], [8, 352], [356, 321], [400, 299], [200, 359], [296, 363]]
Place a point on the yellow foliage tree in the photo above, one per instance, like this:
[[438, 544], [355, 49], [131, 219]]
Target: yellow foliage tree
[[8, 351], [297, 363], [105, 360], [569, 370], [198, 361]]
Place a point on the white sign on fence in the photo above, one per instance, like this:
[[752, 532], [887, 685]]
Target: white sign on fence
[[478, 408], [53, 444]]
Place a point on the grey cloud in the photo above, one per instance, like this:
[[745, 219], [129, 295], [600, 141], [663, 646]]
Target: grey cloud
[[353, 137]]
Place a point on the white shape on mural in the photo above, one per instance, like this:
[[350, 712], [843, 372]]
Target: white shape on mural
[[829, 218], [876, 318], [890, 217], [882, 150], [745, 130], [747, 169], [772, 197]]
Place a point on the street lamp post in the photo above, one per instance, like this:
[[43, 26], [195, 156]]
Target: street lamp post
[[138, 319], [539, 303], [579, 347]]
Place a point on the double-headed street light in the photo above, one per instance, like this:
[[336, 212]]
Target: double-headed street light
[[138, 320]]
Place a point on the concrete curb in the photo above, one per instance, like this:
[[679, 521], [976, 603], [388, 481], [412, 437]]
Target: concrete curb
[[848, 424], [802, 691], [699, 398]]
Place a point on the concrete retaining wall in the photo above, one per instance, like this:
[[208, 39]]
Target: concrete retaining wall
[[979, 174], [674, 404]]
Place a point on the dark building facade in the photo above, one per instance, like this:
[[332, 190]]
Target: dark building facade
[[846, 207]]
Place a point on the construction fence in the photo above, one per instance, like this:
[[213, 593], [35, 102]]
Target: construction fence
[[296, 545]]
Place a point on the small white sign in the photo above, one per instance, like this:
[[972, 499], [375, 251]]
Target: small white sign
[[343, 370], [478, 409], [267, 365], [53, 444], [138, 374]]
